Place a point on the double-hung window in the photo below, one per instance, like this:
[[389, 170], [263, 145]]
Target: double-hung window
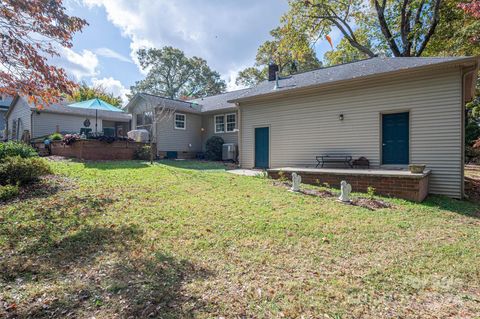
[[225, 123], [219, 124], [231, 122], [140, 120], [180, 121]]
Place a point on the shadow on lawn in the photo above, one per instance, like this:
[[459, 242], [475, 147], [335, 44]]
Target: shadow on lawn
[[195, 165], [106, 165], [462, 207], [101, 271], [60, 260]]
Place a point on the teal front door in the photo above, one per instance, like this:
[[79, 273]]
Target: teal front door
[[262, 140], [395, 138]]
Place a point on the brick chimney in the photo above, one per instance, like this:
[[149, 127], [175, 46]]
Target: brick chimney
[[272, 70]]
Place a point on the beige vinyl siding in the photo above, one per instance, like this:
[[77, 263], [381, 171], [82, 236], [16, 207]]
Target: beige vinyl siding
[[21, 111], [303, 126], [171, 139], [46, 123], [168, 137], [3, 121], [208, 121]]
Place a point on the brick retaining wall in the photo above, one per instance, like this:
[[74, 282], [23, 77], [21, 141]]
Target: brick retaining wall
[[97, 150], [414, 188]]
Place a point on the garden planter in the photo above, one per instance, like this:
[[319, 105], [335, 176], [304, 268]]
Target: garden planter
[[416, 168]]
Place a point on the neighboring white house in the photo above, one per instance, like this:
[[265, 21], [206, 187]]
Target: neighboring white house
[[23, 117], [393, 111], [5, 101]]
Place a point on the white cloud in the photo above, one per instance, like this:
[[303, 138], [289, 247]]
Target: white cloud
[[109, 53], [78, 65], [112, 86], [225, 33]]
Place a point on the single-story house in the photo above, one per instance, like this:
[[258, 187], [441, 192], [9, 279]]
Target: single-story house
[[24, 117], [5, 101], [393, 111], [190, 124]]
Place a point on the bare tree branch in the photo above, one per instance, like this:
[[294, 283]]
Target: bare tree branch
[[405, 27], [431, 31], [385, 29]]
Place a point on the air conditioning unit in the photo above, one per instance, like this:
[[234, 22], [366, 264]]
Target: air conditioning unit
[[229, 152]]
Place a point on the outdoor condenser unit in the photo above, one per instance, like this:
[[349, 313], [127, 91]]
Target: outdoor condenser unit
[[229, 152]]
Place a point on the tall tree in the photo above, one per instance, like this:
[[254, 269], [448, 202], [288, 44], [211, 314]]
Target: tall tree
[[251, 76], [344, 52], [292, 54], [30, 33], [84, 92], [404, 26], [472, 8], [174, 75], [458, 32]]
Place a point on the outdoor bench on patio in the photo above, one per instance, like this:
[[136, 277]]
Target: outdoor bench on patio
[[334, 158]]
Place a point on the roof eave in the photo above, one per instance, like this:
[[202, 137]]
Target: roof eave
[[233, 107]]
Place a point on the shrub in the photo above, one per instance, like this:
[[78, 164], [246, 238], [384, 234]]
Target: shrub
[[142, 153], [476, 144], [282, 177], [17, 170], [371, 192], [472, 155], [472, 133], [16, 149], [8, 192], [214, 148], [56, 137]]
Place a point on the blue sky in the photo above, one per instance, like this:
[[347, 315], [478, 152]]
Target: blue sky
[[226, 33]]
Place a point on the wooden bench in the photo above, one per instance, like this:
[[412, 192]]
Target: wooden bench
[[334, 158]]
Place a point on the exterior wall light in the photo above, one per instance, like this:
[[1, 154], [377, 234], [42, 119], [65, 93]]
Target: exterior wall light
[[340, 117], [202, 129]]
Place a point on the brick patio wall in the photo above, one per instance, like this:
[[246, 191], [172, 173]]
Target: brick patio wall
[[97, 150], [414, 188]]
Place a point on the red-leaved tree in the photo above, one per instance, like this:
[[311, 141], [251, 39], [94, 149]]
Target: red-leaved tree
[[31, 31], [472, 8]]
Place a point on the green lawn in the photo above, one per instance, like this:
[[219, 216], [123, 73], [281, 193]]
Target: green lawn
[[183, 239]]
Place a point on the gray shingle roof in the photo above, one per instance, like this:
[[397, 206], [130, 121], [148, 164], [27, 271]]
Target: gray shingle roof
[[327, 75], [218, 102], [348, 71], [62, 108], [181, 106], [5, 101]]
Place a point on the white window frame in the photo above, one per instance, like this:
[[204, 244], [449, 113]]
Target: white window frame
[[226, 123], [215, 123], [184, 121]]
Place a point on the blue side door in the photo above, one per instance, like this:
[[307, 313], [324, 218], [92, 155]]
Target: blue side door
[[395, 138], [262, 147]]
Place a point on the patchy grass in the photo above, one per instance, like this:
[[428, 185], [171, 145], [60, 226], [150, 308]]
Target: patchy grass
[[181, 239], [472, 182]]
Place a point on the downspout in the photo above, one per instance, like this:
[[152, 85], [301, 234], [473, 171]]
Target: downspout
[[466, 72], [240, 162], [31, 125]]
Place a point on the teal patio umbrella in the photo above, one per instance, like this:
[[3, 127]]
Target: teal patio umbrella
[[96, 104]]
